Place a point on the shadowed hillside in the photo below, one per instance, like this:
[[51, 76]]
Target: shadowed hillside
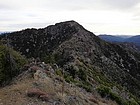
[[10, 64]]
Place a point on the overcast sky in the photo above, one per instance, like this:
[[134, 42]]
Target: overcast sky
[[98, 16]]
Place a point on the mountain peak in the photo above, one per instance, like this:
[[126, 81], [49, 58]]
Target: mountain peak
[[72, 22], [48, 38]]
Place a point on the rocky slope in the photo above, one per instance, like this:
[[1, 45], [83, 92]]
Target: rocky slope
[[87, 61], [41, 86]]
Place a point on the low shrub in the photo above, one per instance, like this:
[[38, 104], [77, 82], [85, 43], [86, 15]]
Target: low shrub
[[105, 91], [59, 72], [85, 85]]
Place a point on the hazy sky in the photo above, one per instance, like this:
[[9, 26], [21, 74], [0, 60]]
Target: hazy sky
[[98, 16]]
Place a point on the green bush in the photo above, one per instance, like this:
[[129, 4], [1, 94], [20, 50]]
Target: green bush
[[49, 58], [10, 64], [59, 72], [85, 85], [132, 102], [117, 98], [105, 91], [69, 79], [82, 74]]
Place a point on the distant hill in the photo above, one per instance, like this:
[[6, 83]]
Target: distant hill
[[112, 38], [131, 39], [1, 33], [134, 39]]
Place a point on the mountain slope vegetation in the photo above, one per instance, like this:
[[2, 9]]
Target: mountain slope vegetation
[[85, 60], [10, 64]]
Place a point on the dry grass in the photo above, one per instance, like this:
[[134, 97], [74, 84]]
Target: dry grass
[[15, 94], [10, 95]]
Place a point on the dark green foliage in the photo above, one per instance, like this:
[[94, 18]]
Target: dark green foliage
[[105, 91], [132, 102], [78, 76], [85, 85], [117, 98], [53, 58], [71, 71], [49, 59], [69, 78], [59, 72], [82, 74], [59, 59], [10, 64]]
